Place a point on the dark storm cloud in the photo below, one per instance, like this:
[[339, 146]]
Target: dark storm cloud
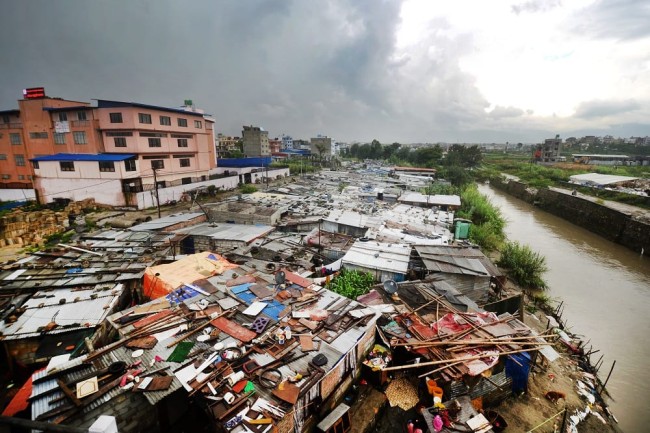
[[598, 108], [295, 67], [615, 19]]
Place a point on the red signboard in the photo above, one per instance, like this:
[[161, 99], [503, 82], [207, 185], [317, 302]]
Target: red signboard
[[34, 93]]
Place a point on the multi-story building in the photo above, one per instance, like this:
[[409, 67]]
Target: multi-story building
[[227, 144], [287, 142], [322, 146], [274, 145], [301, 145], [256, 141], [550, 151], [43, 126], [109, 152]]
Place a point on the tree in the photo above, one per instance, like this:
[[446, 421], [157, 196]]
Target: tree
[[464, 156], [427, 156], [354, 150], [320, 148], [376, 151]]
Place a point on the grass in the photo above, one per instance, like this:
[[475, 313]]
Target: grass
[[351, 284], [487, 222], [525, 266]]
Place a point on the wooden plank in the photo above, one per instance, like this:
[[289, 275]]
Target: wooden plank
[[306, 343], [69, 393]]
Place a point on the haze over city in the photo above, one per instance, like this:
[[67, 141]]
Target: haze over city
[[408, 71]]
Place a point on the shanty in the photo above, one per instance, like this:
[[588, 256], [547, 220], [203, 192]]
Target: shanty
[[324, 303]]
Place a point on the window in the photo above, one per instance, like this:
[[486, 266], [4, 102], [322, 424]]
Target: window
[[181, 135], [63, 117], [20, 160], [3, 157], [182, 122], [35, 165], [157, 164], [165, 120], [185, 162], [14, 137], [154, 142], [81, 115], [6, 176], [182, 142], [79, 137], [106, 166], [129, 165], [59, 138], [38, 135], [21, 177], [66, 165], [120, 141], [153, 134], [144, 118], [115, 117], [119, 134], [198, 124], [5, 118]]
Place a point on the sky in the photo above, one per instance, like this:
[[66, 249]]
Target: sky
[[406, 71]]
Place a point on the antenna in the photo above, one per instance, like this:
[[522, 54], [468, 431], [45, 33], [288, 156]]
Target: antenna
[[390, 287]]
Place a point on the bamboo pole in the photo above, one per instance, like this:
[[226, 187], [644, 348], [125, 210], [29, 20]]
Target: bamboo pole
[[439, 369], [602, 388], [443, 361]]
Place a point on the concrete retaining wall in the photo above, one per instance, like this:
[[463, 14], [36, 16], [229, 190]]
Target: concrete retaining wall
[[609, 223]]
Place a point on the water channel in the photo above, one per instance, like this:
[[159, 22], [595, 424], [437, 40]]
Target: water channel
[[606, 291]]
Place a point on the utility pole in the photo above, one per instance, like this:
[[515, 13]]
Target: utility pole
[[155, 184]]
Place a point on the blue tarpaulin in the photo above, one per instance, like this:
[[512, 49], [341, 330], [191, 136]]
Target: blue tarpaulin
[[517, 368], [181, 294]]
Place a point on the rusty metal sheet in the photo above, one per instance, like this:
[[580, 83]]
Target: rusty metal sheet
[[240, 280], [147, 320], [234, 329]]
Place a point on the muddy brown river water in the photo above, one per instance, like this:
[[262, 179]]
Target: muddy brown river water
[[606, 292]]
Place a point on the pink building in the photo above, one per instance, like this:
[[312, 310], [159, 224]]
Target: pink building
[[139, 148]]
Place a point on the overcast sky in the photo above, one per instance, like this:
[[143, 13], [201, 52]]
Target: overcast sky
[[407, 71]]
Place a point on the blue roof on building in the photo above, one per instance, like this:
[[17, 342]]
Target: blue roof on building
[[85, 157], [261, 161], [103, 103]]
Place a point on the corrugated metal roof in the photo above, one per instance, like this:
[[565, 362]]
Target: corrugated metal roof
[[431, 200], [454, 259], [166, 221], [376, 255], [600, 179], [69, 316], [230, 232]]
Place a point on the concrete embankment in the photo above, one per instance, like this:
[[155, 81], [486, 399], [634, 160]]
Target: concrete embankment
[[623, 224]]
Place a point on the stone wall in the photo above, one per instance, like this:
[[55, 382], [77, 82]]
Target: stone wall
[[609, 223]]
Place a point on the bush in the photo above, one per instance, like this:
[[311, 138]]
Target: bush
[[247, 189], [351, 284], [487, 221], [524, 265]]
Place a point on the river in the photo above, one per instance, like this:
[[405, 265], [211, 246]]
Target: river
[[606, 292]]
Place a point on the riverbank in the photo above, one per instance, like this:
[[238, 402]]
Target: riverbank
[[605, 288], [624, 224]]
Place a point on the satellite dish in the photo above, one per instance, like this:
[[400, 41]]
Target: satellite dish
[[280, 277], [390, 287]]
